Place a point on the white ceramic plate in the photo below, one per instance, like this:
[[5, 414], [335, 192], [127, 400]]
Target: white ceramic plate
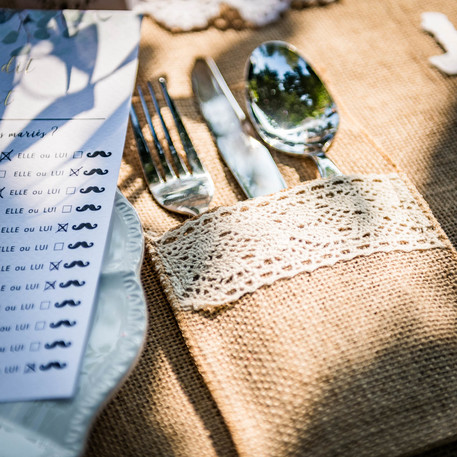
[[59, 428]]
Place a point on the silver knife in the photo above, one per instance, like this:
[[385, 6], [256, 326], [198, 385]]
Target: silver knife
[[249, 160]]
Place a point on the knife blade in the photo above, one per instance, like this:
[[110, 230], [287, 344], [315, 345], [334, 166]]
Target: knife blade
[[249, 161]]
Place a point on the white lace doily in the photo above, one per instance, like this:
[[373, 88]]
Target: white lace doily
[[220, 256], [185, 15]]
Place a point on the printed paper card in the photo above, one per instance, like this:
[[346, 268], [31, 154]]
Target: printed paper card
[[66, 81]]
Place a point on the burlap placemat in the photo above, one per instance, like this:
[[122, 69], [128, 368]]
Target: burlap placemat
[[397, 112]]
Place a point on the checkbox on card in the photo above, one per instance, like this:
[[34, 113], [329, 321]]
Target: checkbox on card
[[77, 154], [35, 346], [66, 208], [2, 173], [58, 246], [71, 190], [45, 305], [40, 325]]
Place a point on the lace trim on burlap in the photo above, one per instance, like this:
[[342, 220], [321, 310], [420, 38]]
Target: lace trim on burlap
[[222, 255], [185, 15]]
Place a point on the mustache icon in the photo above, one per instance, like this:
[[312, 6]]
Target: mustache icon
[[59, 343], [56, 365], [98, 153], [99, 171], [76, 263], [80, 244], [95, 189], [86, 225], [65, 323], [72, 282], [67, 302], [86, 207]]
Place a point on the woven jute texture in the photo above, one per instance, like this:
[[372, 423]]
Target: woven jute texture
[[356, 359]]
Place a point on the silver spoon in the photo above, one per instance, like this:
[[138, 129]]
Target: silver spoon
[[289, 105]]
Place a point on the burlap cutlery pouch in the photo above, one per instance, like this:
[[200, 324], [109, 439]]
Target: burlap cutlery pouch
[[322, 318]]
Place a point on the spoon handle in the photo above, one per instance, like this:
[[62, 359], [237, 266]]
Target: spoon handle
[[325, 166]]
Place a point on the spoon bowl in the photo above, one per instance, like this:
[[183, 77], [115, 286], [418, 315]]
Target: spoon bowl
[[289, 105]]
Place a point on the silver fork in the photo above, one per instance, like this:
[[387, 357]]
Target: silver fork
[[182, 191]]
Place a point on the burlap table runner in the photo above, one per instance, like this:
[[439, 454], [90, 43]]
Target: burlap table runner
[[398, 113]]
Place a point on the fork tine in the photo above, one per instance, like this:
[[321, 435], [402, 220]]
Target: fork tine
[[182, 169], [167, 168], [191, 154], [149, 168]]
